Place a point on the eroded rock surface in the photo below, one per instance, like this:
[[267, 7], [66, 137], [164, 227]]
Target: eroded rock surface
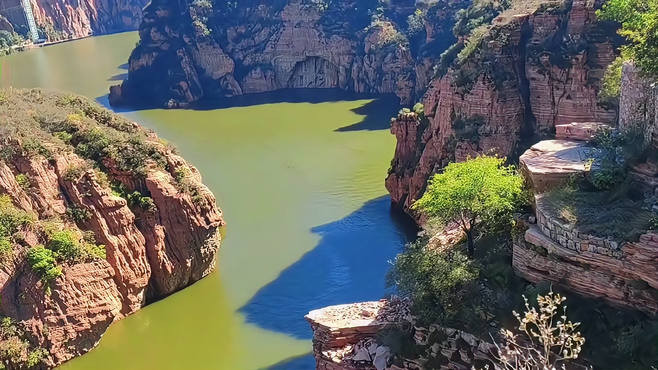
[[188, 51], [160, 243], [532, 72]]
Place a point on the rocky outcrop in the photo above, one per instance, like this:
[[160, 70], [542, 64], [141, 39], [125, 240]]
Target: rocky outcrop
[[188, 51], [550, 163], [531, 72], [159, 225], [623, 273], [348, 337]]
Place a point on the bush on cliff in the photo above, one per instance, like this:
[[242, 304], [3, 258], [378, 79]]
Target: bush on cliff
[[439, 283], [478, 193], [639, 25], [42, 261]]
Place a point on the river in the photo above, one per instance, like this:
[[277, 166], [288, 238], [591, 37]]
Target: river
[[302, 188]]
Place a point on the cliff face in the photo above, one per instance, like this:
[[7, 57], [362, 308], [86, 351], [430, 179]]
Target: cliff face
[[76, 19], [91, 181], [531, 71], [191, 50]]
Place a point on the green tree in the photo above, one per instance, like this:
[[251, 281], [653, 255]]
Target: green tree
[[475, 193], [639, 25]]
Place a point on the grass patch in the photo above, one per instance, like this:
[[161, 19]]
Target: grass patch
[[602, 214]]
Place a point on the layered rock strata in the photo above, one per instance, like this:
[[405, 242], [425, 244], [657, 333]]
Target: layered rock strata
[[75, 19], [531, 72], [346, 337], [160, 243], [623, 273], [188, 51]]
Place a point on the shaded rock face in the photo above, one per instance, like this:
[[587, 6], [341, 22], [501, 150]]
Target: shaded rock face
[[538, 71], [83, 18], [189, 51], [151, 253]]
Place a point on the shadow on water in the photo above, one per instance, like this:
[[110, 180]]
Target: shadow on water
[[377, 113], [306, 362], [124, 66], [119, 77], [348, 265]]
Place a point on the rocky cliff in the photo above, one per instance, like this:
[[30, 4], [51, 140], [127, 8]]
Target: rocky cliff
[[532, 69], [73, 19], [191, 50], [97, 218]]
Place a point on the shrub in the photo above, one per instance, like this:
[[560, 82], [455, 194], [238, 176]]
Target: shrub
[[12, 219], [23, 181], [639, 25], [440, 284], [613, 150], [35, 357], [545, 333], [65, 246], [74, 172], [64, 136], [6, 248], [42, 262], [78, 213], [93, 251], [33, 147]]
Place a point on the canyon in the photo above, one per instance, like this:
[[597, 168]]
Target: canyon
[[159, 239], [191, 51]]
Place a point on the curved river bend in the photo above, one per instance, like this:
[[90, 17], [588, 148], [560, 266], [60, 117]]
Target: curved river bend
[[301, 185]]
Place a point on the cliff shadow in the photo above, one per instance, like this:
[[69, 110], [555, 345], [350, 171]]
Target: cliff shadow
[[119, 77], [348, 265], [376, 114]]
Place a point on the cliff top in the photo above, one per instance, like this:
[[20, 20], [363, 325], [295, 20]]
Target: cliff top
[[361, 314]]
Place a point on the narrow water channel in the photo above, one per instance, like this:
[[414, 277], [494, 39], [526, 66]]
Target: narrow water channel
[[302, 188]]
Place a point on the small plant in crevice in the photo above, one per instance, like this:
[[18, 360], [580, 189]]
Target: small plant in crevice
[[186, 185], [23, 181]]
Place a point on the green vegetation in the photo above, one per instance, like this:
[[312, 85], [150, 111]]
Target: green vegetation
[[48, 123], [478, 193], [612, 151], [639, 25], [23, 181], [9, 40], [441, 284], [78, 213], [611, 83], [42, 261], [16, 352], [188, 186], [135, 198]]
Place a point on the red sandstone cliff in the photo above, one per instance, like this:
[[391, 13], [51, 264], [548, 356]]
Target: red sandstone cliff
[[531, 72], [151, 251], [190, 51], [82, 18]]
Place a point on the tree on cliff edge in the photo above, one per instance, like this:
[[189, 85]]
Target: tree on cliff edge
[[476, 193]]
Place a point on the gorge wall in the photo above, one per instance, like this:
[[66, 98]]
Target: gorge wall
[[74, 19], [191, 50], [65, 19], [123, 219], [534, 69]]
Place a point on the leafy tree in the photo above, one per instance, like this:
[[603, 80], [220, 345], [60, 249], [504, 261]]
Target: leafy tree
[[639, 24], [478, 192], [440, 284]]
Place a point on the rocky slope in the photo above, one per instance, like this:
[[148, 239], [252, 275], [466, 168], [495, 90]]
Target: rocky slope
[[533, 69], [191, 50], [97, 218]]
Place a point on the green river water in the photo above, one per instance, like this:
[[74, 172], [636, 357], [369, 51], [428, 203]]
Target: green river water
[[308, 217]]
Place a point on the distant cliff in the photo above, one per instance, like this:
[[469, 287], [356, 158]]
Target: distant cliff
[[97, 217], [533, 68], [210, 49]]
